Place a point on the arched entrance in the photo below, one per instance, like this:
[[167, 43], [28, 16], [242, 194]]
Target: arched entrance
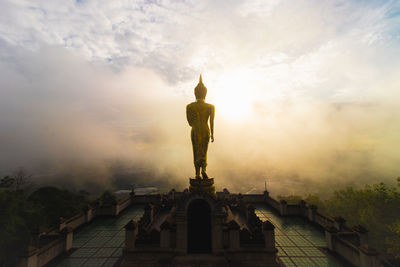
[[199, 227]]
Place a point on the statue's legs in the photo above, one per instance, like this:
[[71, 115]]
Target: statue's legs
[[201, 165], [204, 172], [197, 168], [200, 147]]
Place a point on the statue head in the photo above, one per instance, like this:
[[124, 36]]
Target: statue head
[[200, 91]]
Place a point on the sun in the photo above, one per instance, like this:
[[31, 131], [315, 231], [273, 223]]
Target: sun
[[233, 97]]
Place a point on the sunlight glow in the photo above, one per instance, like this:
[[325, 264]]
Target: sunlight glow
[[234, 96]]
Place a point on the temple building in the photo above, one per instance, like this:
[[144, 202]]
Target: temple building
[[199, 228]]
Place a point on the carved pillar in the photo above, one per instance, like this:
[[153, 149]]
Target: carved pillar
[[283, 207], [369, 257], [29, 259], [311, 212], [68, 232], [303, 208], [88, 213], [181, 233], [225, 236], [148, 214], [116, 209], [172, 194], [240, 201], [330, 235], [165, 235], [226, 194], [339, 223], [362, 234], [217, 234], [266, 196], [62, 224], [250, 212], [132, 193], [269, 235], [131, 230], [234, 236]]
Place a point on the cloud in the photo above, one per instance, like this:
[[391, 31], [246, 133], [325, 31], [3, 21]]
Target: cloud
[[57, 107], [86, 84]]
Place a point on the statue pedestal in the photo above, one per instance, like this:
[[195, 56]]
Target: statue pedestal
[[202, 185]]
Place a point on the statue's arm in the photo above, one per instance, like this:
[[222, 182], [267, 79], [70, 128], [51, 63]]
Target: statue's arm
[[189, 115], [212, 114]]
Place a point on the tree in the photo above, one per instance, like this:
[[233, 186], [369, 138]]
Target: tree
[[54, 203], [6, 182], [376, 207], [21, 177]]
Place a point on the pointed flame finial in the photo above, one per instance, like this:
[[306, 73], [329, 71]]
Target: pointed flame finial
[[201, 79]]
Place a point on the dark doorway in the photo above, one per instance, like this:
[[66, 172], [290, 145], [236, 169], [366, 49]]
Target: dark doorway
[[199, 227]]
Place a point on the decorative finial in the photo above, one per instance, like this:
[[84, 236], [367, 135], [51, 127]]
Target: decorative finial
[[201, 79]]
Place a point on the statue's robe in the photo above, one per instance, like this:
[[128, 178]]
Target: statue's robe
[[198, 114]]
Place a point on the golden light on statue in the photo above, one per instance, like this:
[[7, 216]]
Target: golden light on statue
[[199, 114]]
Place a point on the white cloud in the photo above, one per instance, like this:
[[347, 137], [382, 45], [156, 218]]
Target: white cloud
[[110, 69]]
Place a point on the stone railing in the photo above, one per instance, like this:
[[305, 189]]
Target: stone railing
[[319, 218], [358, 253], [124, 203], [73, 222], [144, 199], [35, 257], [272, 203], [253, 198]]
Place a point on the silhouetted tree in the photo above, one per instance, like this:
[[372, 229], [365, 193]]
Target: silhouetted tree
[[21, 177], [6, 182], [55, 203]]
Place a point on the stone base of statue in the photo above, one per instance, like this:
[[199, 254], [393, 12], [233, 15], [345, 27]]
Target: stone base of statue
[[202, 185]]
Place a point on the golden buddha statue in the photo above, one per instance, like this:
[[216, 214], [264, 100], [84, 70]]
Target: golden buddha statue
[[198, 113]]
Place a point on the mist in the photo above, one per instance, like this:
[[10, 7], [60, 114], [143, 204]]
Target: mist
[[307, 105], [83, 125]]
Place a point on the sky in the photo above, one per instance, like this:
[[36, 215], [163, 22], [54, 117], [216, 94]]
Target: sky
[[306, 92]]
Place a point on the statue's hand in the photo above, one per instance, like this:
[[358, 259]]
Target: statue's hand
[[212, 138]]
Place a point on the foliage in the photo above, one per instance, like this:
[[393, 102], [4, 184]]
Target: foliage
[[18, 219], [21, 177], [22, 216], [6, 182], [394, 241], [54, 203], [108, 198], [376, 207], [291, 199]]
